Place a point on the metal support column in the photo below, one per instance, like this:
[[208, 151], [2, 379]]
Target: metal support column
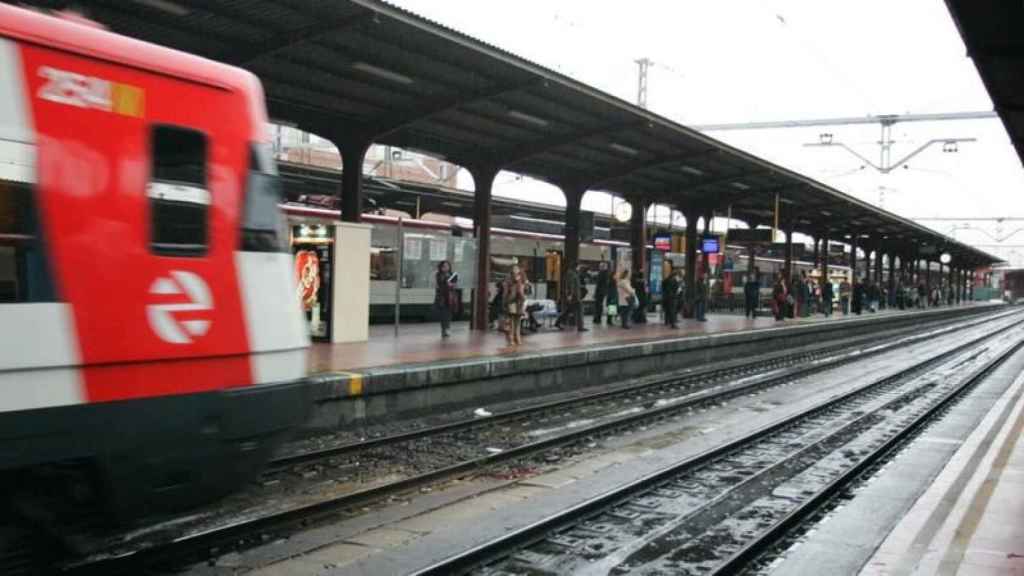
[[928, 279], [941, 281], [638, 234], [892, 276], [787, 266], [879, 262], [691, 258], [353, 152], [853, 258], [704, 262], [573, 201], [955, 283], [483, 179], [824, 257]]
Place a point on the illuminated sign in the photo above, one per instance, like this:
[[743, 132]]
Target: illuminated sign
[[663, 242], [709, 245]]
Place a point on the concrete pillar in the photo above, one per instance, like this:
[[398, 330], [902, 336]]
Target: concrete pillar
[[691, 257], [483, 179], [638, 234], [970, 286], [353, 152]]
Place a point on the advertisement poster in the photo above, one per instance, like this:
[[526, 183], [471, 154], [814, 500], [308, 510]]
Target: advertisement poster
[[307, 273], [655, 274], [313, 279]]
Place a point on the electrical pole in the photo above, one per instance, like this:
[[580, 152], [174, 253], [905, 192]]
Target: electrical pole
[[641, 88]]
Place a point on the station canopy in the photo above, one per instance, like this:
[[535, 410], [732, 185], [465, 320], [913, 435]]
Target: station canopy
[[364, 69], [994, 35]]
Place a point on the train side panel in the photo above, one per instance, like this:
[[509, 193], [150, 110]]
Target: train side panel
[[149, 346]]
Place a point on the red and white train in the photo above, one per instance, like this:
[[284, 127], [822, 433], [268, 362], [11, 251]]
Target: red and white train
[[151, 344]]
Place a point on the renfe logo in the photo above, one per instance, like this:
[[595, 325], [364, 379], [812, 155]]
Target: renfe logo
[[164, 317]]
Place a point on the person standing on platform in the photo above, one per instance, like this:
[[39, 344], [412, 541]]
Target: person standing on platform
[[805, 295], [573, 299], [752, 294], [444, 295], [858, 296], [701, 297], [795, 291], [601, 292], [515, 305], [844, 296], [826, 298], [779, 297], [498, 305], [627, 298], [640, 287], [670, 298]]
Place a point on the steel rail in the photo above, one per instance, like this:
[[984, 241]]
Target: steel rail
[[754, 549], [174, 551], [678, 378], [507, 544]]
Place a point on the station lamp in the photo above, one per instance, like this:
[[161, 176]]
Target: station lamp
[[945, 258]]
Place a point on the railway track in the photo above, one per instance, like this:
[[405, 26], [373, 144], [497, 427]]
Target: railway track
[[243, 531], [637, 392], [717, 512]]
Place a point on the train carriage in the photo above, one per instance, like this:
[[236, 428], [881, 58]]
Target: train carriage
[[152, 347]]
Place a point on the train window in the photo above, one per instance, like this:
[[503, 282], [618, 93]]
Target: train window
[[24, 270], [263, 227], [179, 201]]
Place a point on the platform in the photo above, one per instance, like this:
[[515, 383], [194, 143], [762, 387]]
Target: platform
[[417, 373], [970, 521], [422, 343]]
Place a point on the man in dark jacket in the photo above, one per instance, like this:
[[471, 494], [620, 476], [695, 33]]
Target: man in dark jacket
[[859, 292], [752, 293], [640, 285], [826, 297], [601, 291], [805, 295], [700, 297], [670, 298], [573, 302]]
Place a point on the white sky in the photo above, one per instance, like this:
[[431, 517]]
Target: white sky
[[731, 61]]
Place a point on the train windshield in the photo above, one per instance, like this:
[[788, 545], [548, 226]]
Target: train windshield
[[264, 228]]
